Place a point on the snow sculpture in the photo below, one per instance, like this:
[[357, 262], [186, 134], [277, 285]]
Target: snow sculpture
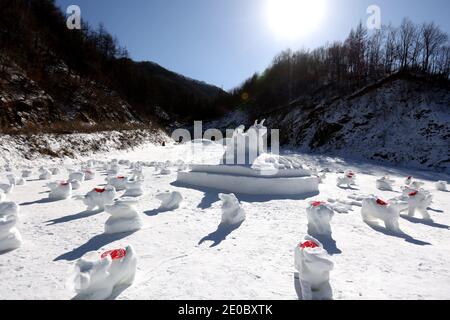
[[120, 182], [417, 185], [419, 200], [247, 168], [385, 184], [113, 169], [134, 189], [348, 179], [6, 188], [26, 173], [137, 174], [99, 198], [408, 180], [124, 216], [89, 174], [97, 276], [10, 238], [441, 186], [314, 265], [55, 171], [232, 213], [75, 184], [60, 191], [319, 216], [169, 200], [45, 174], [389, 213], [16, 181], [77, 175]]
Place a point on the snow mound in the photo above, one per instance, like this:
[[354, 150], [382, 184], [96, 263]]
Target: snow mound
[[10, 238], [232, 213], [169, 200]]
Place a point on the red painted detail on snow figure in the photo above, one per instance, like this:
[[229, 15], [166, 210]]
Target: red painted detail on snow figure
[[382, 203], [99, 190], [64, 183], [317, 203], [121, 178], [309, 244], [115, 254], [414, 193]]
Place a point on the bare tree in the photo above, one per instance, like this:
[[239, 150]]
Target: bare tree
[[432, 39]]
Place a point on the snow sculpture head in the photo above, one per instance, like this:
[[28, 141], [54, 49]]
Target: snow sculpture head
[[10, 238], [60, 191], [96, 275], [389, 212], [313, 265], [100, 197], [232, 213], [169, 200], [319, 216], [124, 216], [244, 148]]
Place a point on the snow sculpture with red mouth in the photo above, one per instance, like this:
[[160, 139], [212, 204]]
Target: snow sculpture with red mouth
[[232, 213], [169, 200], [124, 216], [99, 197], [385, 184], [419, 200], [389, 212], [313, 264], [60, 191], [349, 179], [247, 168], [119, 182], [10, 238], [319, 216], [96, 276]]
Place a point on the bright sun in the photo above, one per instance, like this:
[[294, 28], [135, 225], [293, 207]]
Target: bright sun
[[292, 19]]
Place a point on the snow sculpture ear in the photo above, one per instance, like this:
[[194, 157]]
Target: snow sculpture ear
[[262, 122], [256, 122]]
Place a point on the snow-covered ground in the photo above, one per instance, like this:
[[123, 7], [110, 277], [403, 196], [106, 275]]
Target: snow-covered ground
[[183, 255]]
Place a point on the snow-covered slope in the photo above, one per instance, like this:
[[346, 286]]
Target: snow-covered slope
[[183, 254], [402, 121]]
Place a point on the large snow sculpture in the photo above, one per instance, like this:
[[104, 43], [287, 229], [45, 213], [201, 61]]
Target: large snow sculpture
[[385, 184], [441, 185], [169, 200], [319, 216], [232, 213], [247, 168], [314, 265], [100, 197], [389, 213], [10, 238], [96, 275], [60, 191], [134, 189], [419, 200], [124, 216], [120, 182]]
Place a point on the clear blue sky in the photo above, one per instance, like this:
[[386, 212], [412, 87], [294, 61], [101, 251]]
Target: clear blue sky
[[224, 42]]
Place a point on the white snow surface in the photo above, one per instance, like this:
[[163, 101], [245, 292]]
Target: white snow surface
[[185, 254]]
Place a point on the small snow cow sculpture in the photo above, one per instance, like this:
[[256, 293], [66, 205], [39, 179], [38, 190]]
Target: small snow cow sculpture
[[314, 265], [15, 180], [89, 174], [134, 189], [232, 213], [389, 213], [120, 182], [60, 191], [44, 174], [97, 276], [441, 186], [124, 216], [348, 179], [10, 238], [169, 200], [99, 198], [77, 175], [419, 200], [385, 184], [26, 173], [319, 216]]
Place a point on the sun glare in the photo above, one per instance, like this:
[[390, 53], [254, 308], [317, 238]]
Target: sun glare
[[292, 19]]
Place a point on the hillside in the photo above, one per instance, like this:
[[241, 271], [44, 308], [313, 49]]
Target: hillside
[[56, 79]]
